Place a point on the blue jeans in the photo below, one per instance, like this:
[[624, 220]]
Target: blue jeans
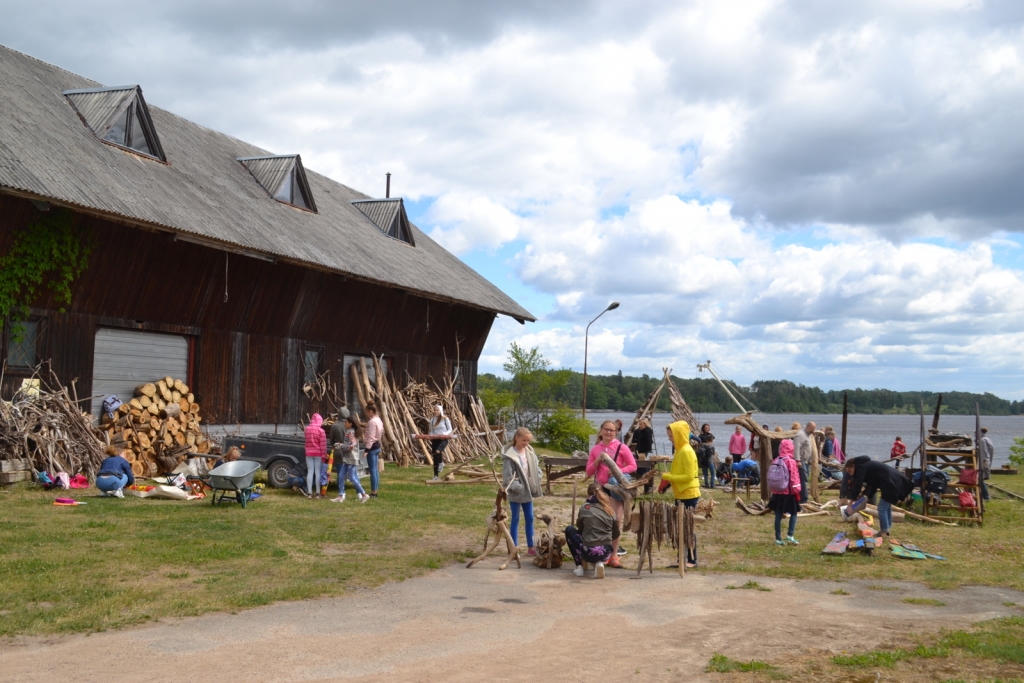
[[984, 489], [885, 515], [350, 473], [803, 483], [372, 458], [710, 480], [111, 482], [778, 524], [312, 475], [528, 515]]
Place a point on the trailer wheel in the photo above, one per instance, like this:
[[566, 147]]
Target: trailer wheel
[[277, 473]]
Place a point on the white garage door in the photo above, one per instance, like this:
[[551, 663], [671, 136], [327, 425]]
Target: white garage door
[[124, 359]]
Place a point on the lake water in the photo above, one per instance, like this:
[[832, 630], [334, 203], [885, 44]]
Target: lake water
[[866, 434]]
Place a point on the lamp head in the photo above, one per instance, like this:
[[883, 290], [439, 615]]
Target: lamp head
[[612, 306]]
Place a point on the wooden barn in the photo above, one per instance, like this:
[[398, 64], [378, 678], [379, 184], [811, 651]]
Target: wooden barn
[[236, 269]]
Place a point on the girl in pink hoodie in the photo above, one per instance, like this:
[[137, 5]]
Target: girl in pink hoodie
[[316, 450], [784, 484]]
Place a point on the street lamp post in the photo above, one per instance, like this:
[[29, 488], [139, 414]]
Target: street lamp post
[[586, 343]]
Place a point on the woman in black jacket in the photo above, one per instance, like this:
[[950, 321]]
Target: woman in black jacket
[[863, 473], [643, 439]]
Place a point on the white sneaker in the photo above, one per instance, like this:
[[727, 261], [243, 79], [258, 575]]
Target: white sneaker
[[578, 571], [118, 494], [599, 570], [339, 499], [363, 498]]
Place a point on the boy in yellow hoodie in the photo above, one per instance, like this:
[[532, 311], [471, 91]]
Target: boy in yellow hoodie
[[683, 474]]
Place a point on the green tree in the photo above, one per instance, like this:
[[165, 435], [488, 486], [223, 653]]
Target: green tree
[[563, 429], [1017, 451]]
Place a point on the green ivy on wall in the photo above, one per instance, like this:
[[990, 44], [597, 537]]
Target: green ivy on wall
[[51, 253]]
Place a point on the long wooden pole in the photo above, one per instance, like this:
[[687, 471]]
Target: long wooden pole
[[923, 446], [977, 453], [938, 409], [846, 412]]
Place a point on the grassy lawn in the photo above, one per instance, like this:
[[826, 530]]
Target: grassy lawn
[[735, 542], [115, 563], [991, 651], [991, 555]]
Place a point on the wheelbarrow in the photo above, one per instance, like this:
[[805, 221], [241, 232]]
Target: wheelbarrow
[[233, 477]]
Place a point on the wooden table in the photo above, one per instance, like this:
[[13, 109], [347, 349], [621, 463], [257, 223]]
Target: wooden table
[[746, 482], [576, 465]]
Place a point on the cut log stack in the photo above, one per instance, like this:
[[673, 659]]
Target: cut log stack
[[157, 427], [408, 411]]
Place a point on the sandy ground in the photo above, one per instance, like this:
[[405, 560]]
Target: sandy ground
[[515, 625]]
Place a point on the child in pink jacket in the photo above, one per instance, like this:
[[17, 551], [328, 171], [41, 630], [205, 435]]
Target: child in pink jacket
[[316, 450], [784, 484]]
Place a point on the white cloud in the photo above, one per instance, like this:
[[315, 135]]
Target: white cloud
[[757, 181]]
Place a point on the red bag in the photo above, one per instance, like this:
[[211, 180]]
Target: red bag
[[969, 477], [79, 482], [967, 500]]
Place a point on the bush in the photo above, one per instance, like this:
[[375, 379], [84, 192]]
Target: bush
[[1017, 451], [563, 430]]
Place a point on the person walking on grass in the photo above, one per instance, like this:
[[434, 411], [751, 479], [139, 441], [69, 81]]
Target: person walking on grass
[[348, 450], [620, 454], [803, 453], [987, 450], [372, 434], [737, 445], [595, 534], [682, 476], [706, 456], [784, 485], [520, 477], [316, 451], [439, 433]]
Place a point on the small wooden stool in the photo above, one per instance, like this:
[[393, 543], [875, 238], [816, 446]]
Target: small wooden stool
[[746, 483]]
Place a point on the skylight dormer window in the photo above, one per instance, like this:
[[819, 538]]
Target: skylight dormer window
[[389, 216], [118, 116], [284, 179]]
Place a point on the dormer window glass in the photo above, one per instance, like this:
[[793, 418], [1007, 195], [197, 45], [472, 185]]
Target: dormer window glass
[[284, 179], [118, 116]]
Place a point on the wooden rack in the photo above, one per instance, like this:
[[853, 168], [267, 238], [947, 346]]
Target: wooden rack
[[952, 461]]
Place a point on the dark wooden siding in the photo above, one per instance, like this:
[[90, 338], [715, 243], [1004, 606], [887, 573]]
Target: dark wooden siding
[[247, 356]]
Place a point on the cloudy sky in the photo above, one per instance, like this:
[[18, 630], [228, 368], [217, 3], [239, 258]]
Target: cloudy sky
[[819, 191]]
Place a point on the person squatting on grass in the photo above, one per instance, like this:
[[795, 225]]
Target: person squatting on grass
[[682, 476], [438, 434], [115, 473], [520, 477], [596, 533], [316, 451], [784, 484], [623, 457], [372, 435], [864, 473], [348, 450]]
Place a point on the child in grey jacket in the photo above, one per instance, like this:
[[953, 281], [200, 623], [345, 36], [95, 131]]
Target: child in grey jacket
[[520, 477]]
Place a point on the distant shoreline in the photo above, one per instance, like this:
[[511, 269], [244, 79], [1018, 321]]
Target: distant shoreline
[[928, 416]]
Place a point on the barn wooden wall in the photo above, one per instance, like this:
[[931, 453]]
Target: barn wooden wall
[[247, 358]]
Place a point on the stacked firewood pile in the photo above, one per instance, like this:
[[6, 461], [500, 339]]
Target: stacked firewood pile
[[408, 410], [43, 428], [157, 427]]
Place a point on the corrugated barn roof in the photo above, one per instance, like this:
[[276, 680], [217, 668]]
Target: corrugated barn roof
[[203, 190]]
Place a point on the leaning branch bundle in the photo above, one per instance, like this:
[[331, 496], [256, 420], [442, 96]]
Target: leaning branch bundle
[[406, 411], [43, 423]]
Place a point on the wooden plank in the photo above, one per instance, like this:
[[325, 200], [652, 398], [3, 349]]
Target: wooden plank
[[14, 477]]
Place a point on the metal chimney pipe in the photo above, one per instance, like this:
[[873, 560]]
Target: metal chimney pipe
[[387, 190]]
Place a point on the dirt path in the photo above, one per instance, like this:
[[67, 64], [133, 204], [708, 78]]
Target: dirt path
[[517, 625]]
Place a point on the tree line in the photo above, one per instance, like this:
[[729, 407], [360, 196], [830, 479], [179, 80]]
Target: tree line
[[625, 394]]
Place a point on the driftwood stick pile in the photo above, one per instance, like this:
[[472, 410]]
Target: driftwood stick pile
[[664, 523], [45, 425], [157, 428], [496, 525], [680, 408], [406, 411]]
